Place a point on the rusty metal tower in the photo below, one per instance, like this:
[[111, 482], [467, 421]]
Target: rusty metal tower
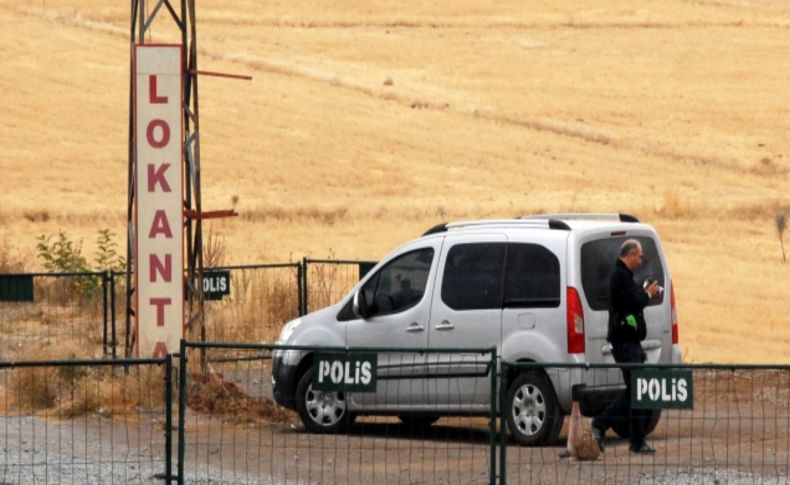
[[143, 15]]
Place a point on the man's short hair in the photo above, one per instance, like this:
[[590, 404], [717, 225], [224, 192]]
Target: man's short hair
[[628, 247]]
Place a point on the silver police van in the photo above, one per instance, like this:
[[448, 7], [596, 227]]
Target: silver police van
[[534, 287]]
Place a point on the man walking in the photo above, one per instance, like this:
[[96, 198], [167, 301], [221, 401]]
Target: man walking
[[627, 329]]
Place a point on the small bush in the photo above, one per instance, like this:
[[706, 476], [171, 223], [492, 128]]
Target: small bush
[[108, 393], [281, 305], [34, 388], [781, 225], [61, 254], [64, 255], [71, 391], [107, 257]]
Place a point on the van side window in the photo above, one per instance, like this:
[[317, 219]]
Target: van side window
[[400, 284], [598, 259], [532, 278], [473, 276]]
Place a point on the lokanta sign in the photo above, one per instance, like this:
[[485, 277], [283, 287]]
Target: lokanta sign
[[159, 268]]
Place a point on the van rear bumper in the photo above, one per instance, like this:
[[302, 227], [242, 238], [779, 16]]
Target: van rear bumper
[[593, 400]]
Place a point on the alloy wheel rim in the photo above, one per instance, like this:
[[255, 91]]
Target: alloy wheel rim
[[529, 409], [326, 408]]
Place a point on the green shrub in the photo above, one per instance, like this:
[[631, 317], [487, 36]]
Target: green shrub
[[107, 257], [62, 255]]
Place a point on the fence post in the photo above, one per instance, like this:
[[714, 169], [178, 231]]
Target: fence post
[[169, 418], [114, 341], [304, 286], [299, 286], [492, 418], [105, 309], [182, 405], [503, 422]]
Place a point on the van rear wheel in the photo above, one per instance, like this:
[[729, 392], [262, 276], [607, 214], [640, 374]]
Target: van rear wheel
[[533, 413]]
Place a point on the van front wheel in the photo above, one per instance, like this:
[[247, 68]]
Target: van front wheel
[[321, 411], [533, 414]]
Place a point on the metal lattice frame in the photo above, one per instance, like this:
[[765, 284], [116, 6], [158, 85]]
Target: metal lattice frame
[[141, 23]]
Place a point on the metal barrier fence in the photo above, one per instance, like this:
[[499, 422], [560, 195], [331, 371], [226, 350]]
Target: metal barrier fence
[[231, 432], [444, 419], [67, 309], [72, 309], [86, 421], [736, 430], [258, 301]]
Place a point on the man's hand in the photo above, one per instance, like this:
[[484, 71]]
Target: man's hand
[[653, 289]]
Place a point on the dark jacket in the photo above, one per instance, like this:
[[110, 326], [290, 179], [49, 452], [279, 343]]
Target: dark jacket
[[626, 302]]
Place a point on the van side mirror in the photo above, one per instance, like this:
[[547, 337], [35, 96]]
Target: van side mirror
[[360, 306]]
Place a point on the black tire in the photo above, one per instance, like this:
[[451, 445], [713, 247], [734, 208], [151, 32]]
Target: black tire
[[533, 413], [418, 421], [321, 411], [623, 426]]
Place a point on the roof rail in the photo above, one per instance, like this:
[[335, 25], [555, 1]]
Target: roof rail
[[436, 229], [581, 216], [558, 224], [537, 223]]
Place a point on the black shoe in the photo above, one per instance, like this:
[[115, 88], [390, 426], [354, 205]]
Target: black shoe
[[598, 435], [643, 449]]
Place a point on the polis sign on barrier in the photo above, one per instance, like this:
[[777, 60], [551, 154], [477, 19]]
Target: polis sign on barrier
[[216, 284], [661, 389], [158, 184], [355, 372]]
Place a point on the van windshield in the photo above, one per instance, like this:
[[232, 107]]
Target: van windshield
[[598, 258]]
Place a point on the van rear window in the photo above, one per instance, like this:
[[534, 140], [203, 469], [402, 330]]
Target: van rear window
[[598, 259], [473, 276]]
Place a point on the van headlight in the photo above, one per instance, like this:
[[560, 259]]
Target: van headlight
[[288, 330]]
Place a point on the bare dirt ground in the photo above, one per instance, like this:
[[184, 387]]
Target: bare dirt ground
[[375, 451]]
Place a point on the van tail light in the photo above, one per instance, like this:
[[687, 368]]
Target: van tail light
[[575, 315], [674, 310]]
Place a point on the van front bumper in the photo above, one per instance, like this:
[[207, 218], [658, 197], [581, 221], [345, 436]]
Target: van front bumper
[[283, 382]]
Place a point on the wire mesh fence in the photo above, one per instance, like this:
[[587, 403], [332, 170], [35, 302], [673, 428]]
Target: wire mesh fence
[[85, 421], [326, 281], [430, 416], [40, 309], [86, 311], [422, 422], [258, 300], [735, 428]]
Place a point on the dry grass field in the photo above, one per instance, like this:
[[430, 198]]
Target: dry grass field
[[367, 122]]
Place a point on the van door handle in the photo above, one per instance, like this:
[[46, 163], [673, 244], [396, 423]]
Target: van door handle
[[415, 327], [445, 325]]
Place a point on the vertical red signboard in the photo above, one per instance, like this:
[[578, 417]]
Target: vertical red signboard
[[159, 260]]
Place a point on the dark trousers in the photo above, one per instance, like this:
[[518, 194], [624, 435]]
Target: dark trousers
[[620, 408]]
